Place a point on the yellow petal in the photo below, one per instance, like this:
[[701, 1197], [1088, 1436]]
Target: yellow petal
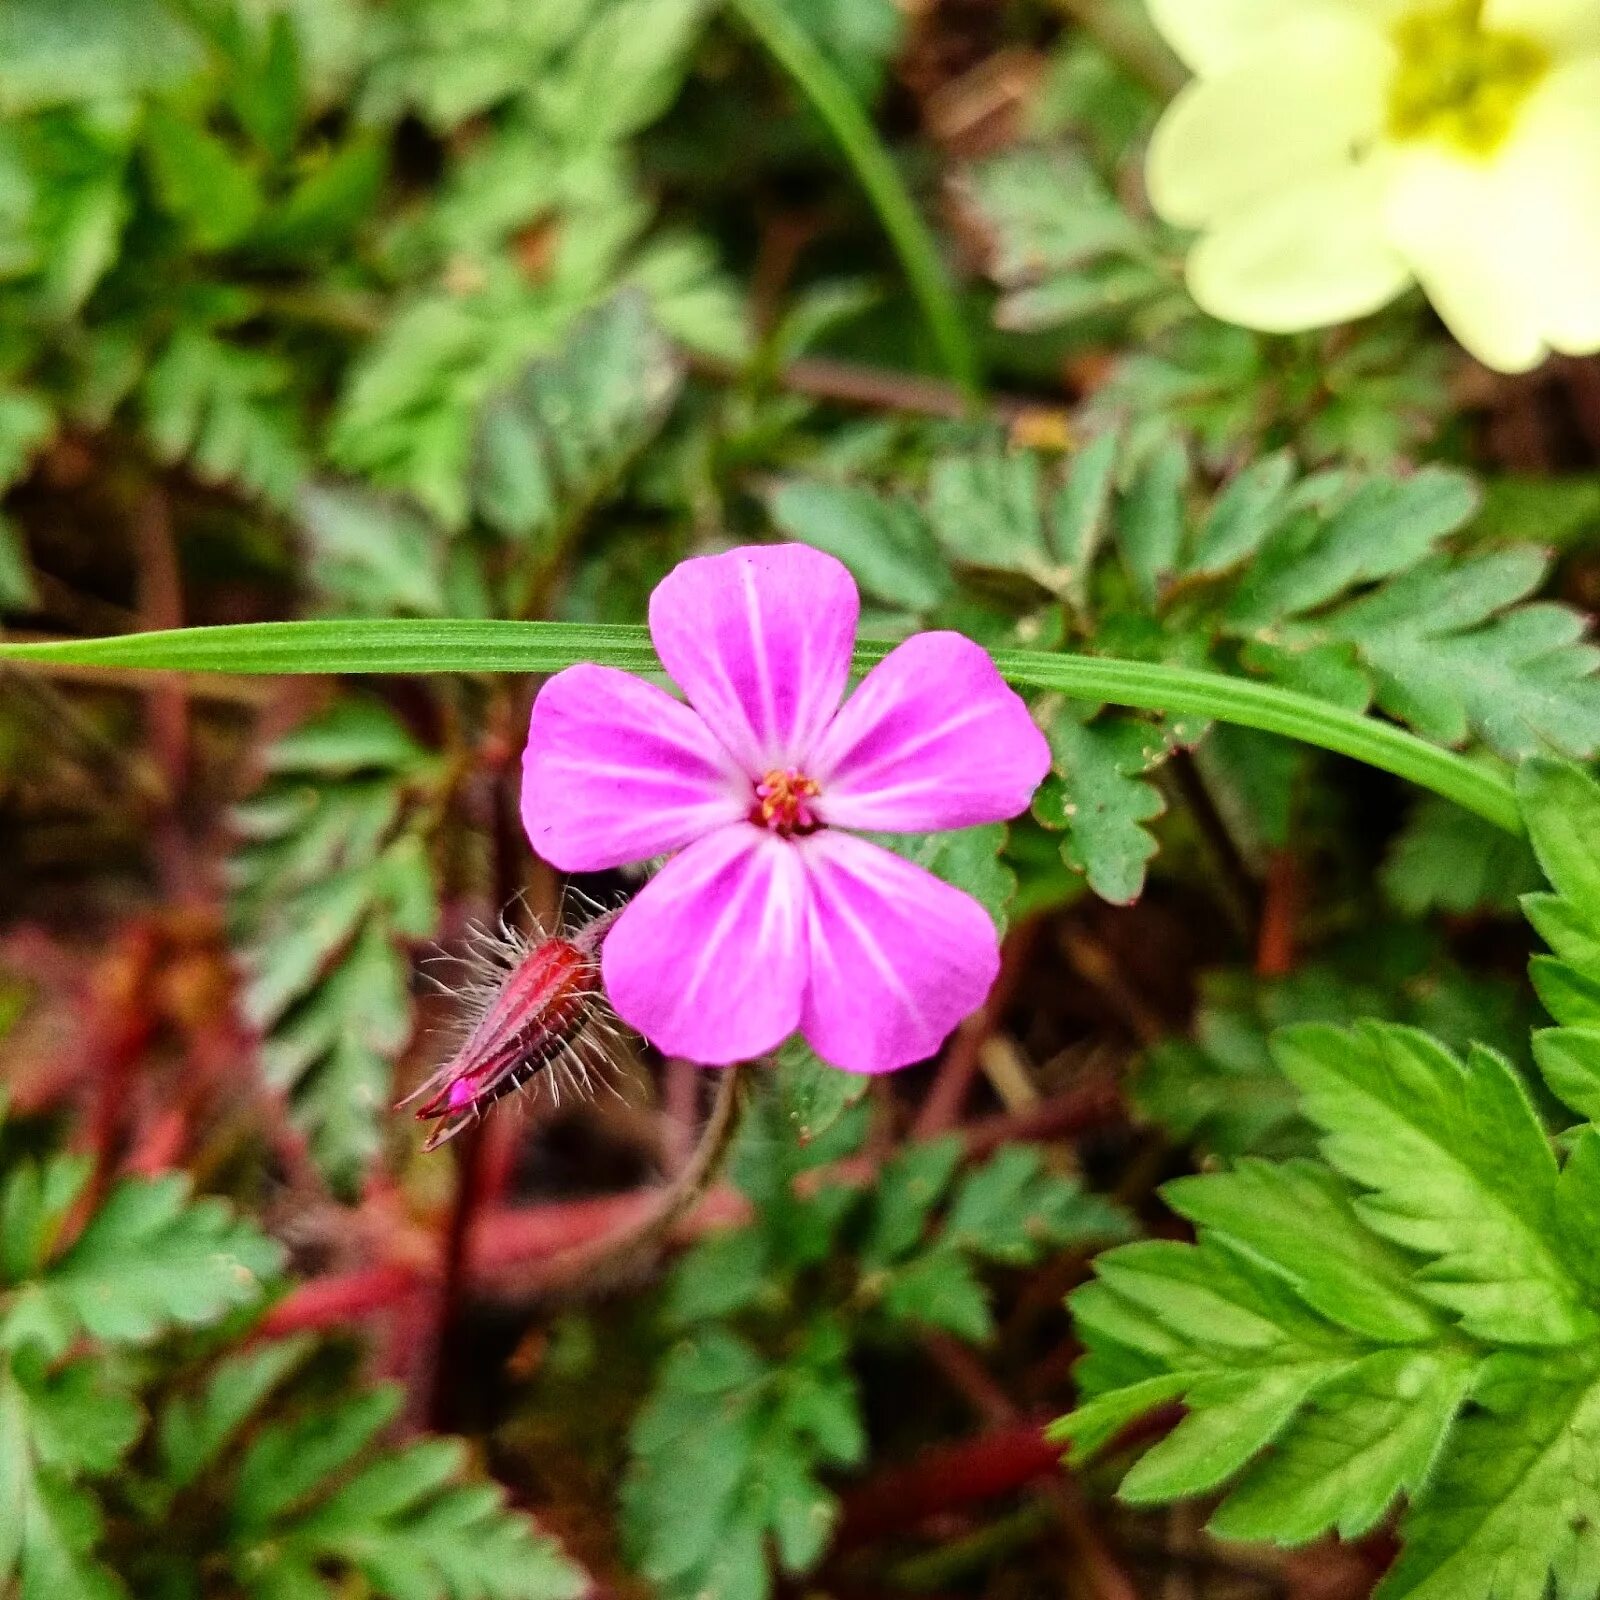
[[1211, 35], [1567, 25], [1551, 174], [1306, 257], [1295, 105], [1457, 222]]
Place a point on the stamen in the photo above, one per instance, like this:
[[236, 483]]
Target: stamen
[[783, 802]]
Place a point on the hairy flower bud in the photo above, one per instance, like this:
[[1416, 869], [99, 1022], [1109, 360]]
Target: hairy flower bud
[[540, 1016]]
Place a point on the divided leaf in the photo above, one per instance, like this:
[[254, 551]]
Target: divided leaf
[[1412, 1318], [1101, 797], [331, 889]]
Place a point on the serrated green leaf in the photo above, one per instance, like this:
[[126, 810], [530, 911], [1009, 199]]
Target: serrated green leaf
[[726, 1452], [1386, 526], [194, 1433], [49, 1525], [1101, 800], [1369, 1436], [939, 1290], [332, 888], [225, 410], [551, 445], [886, 543], [200, 182], [1013, 1209], [1243, 516], [814, 1095], [1296, 1219], [911, 1184], [1508, 1514], [149, 1259], [289, 1461], [1562, 807], [1150, 526], [1569, 1058], [985, 511], [1458, 1168]]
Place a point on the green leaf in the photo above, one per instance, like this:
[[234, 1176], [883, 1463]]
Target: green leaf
[[225, 411], [1296, 1219], [1508, 1513], [288, 1462], [372, 553], [814, 1095], [1099, 797], [1014, 1210], [912, 1183], [1061, 247], [1370, 1435], [54, 1429], [1458, 1168], [940, 1290], [200, 182], [330, 890], [1451, 656], [985, 511], [193, 1434], [149, 1259], [1150, 527], [1243, 517], [727, 1451], [1562, 807], [1445, 859], [886, 543], [557, 441], [411, 1531], [54, 51], [1386, 526]]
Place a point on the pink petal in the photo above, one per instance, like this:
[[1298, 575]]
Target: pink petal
[[897, 957], [932, 739], [616, 770], [709, 961], [759, 640]]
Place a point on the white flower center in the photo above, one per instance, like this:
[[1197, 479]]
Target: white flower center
[[1460, 83]]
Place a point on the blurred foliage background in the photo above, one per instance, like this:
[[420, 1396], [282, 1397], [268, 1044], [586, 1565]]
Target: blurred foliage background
[[499, 308]]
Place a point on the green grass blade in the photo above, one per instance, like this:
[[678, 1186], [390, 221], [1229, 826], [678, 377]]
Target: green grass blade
[[830, 97], [414, 647]]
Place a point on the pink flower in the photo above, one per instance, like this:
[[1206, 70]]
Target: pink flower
[[771, 917]]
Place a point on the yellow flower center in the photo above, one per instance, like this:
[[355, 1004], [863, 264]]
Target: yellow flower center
[[1459, 82]]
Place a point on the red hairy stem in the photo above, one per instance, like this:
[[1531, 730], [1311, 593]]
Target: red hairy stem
[[472, 1178], [507, 1241]]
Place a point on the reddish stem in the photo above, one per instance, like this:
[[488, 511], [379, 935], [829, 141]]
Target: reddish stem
[[336, 1302], [948, 1478], [1280, 917]]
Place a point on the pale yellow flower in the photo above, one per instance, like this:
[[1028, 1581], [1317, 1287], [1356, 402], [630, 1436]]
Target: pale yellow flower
[[1332, 152]]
